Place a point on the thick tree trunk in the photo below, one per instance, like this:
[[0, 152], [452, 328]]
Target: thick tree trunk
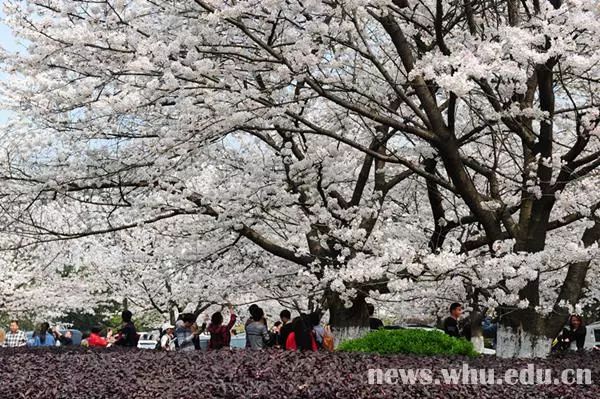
[[522, 334], [477, 331], [519, 343], [347, 323], [573, 284], [478, 342]]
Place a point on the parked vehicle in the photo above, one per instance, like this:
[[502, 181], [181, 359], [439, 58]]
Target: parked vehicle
[[148, 340], [237, 341]]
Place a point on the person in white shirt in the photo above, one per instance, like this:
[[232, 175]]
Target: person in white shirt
[[167, 342], [15, 337]]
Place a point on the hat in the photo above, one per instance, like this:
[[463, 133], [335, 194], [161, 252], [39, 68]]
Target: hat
[[166, 326]]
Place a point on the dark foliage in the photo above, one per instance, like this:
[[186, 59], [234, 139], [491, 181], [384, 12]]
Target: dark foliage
[[118, 373]]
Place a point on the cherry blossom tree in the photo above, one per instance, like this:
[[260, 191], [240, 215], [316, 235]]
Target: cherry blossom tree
[[332, 150]]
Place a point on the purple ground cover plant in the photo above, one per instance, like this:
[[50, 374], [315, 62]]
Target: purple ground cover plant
[[113, 373]]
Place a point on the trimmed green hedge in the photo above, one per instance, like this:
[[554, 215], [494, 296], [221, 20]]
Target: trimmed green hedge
[[409, 341]]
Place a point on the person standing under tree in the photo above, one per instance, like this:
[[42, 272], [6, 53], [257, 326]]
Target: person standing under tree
[[220, 335], [286, 327], [167, 341], [302, 336], [257, 334], [451, 322], [42, 337], [186, 333], [15, 337], [318, 329], [127, 335]]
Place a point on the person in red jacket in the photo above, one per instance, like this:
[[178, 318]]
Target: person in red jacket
[[220, 335], [302, 336], [96, 341]]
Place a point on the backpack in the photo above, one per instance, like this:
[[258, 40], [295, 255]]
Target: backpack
[[272, 341], [328, 340]]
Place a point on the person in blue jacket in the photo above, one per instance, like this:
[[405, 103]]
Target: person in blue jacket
[[42, 337]]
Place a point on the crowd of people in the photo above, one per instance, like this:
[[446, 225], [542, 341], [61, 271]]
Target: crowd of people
[[303, 332], [46, 336]]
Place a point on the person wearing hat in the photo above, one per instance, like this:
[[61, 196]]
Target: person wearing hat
[[167, 342]]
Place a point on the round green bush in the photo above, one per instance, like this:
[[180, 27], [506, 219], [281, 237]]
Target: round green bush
[[409, 341]]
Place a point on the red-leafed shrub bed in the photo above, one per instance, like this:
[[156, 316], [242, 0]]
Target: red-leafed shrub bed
[[113, 373]]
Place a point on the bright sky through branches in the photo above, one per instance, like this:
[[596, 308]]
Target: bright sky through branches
[[7, 42]]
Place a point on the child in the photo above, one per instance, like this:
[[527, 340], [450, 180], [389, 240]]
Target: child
[[167, 341]]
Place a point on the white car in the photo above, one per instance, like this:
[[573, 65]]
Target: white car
[[237, 341], [148, 340]]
